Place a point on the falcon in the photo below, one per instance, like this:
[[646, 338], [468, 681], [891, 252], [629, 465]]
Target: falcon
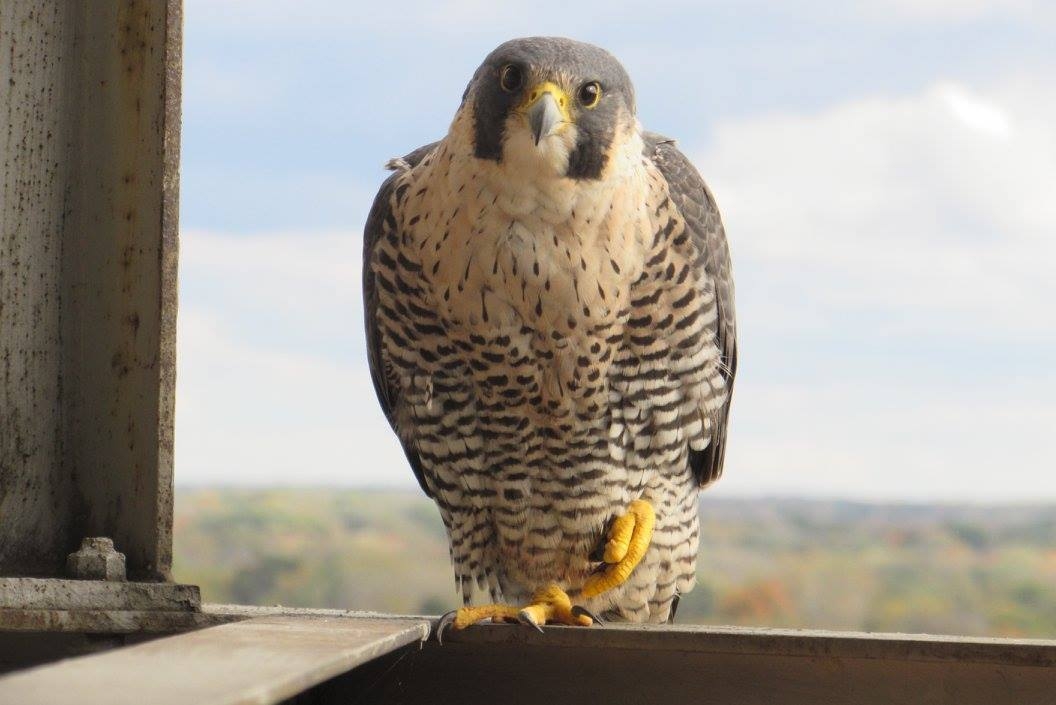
[[550, 330]]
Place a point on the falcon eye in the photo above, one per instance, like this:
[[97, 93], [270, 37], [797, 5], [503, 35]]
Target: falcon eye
[[589, 94], [511, 79]]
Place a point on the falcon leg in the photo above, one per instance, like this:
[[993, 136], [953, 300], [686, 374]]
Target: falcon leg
[[550, 605], [628, 540]]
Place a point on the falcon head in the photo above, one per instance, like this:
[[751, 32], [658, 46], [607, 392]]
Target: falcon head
[[552, 105]]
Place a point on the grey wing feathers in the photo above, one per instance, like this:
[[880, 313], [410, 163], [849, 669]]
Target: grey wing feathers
[[703, 222], [380, 221]]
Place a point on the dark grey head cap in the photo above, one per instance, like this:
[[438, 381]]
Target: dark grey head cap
[[584, 61], [570, 62]]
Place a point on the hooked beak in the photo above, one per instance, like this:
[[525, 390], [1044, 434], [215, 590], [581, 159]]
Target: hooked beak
[[544, 117], [547, 110]]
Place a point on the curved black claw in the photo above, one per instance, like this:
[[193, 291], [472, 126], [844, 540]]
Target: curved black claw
[[524, 618], [446, 621], [579, 611]]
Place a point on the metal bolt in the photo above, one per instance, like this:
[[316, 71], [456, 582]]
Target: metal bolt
[[96, 560]]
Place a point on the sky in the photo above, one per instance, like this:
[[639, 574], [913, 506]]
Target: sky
[[886, 170]]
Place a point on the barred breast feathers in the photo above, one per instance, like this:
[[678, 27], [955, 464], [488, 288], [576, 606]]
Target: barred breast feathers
[[577, 279]]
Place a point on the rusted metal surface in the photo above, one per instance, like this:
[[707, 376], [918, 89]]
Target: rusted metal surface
[[259, 661], [88, 247], [35, 493]]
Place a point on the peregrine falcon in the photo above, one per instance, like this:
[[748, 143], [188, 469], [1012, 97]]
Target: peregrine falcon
[[550, 327]]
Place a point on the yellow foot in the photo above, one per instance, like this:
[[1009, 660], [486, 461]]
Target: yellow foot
[[628, 540], [549, 605]]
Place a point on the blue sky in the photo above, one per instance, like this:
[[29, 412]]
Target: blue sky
[[885, 170]]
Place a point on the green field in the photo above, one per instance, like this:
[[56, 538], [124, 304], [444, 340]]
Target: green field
[[781, 563]]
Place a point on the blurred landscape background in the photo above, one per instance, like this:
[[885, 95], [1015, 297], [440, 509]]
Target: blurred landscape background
[[884, 170], [942, 569]]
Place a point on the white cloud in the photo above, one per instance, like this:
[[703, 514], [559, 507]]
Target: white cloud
[[935, 208], [273, 385], [862, 438], [906, 245], [301, 279], [975, 112]]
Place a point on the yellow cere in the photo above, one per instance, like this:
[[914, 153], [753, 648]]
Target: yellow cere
[[540, 89]]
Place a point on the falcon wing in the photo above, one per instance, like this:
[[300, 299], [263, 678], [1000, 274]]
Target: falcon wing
[[696, 204], [380, 223]]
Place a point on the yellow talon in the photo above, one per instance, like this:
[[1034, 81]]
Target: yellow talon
[[466, 616], [619, 538], [549, 605], [628, 540]]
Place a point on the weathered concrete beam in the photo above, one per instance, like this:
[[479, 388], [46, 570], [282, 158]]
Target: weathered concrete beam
[[14, 623], [74, 595], [259, 661], [89, 154]]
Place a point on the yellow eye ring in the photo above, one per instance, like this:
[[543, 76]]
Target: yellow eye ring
[[589, 94], [511, 78]]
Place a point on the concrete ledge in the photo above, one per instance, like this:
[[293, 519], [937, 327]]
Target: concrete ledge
[[105, 621], [268, 654], [260, 661], [51, 605], [59, 594], [236, 612]]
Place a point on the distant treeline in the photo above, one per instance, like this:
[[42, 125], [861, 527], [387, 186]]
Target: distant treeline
[[970, 570]]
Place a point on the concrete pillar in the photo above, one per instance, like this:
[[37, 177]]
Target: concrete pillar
[[89, 162]]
